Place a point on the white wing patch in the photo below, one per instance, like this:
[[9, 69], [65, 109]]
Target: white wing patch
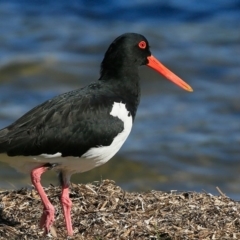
[[51, 155]]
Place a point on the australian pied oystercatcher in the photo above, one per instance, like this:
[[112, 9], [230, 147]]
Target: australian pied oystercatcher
[[82, 129]]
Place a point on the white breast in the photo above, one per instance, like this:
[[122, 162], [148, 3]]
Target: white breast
[[104, 153]]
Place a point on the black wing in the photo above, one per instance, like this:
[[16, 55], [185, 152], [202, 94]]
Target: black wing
[[70, 123]]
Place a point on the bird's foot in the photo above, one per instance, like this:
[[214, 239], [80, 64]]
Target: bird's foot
[[47, 218]]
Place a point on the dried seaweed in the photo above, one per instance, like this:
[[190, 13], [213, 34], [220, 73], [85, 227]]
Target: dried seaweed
[[102, 210]]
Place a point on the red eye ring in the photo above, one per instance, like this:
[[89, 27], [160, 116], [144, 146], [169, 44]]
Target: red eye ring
[[142, 44]]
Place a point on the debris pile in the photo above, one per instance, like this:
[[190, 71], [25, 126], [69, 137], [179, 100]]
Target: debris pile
[[102, 210]]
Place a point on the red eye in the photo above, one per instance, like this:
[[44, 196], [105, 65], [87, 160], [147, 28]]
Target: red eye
[[142, 44]]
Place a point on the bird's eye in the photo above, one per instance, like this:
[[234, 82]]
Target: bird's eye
[[142, 44]]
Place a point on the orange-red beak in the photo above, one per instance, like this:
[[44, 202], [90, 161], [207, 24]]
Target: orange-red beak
[[156, 65]]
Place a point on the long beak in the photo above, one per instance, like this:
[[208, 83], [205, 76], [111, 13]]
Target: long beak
[[156, 65]]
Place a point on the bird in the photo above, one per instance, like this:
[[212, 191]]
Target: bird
[[82, 129]]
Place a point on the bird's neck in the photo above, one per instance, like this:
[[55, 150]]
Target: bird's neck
[[125, 83], [117, 69]]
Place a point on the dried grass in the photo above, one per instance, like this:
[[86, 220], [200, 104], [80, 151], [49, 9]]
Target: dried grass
[[103, 210]]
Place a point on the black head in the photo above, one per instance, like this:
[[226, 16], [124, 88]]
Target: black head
[[127, 53], [129, 50]]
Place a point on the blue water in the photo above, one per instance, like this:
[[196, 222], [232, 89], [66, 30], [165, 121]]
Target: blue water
[[180, 140]]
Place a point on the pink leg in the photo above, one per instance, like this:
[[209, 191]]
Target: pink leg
[[47, 218], [66, 205]]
